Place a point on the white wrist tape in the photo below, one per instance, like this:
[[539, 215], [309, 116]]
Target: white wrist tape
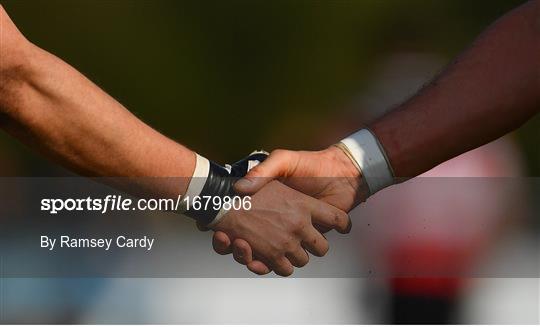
[[216, 220], [370, 157], [196, 184]]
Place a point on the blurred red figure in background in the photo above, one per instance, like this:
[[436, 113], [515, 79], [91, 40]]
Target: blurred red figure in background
[[438, 228]]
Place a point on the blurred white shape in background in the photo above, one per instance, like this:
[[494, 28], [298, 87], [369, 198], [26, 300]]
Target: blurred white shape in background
[[229, 301]]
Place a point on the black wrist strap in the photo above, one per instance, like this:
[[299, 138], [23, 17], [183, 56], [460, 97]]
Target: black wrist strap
[[219, 183]]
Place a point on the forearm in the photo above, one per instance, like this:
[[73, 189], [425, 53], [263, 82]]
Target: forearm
[[490, 90], [51, 107]]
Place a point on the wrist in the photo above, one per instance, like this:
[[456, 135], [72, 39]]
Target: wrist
[[364, 149], [211, 180], [346, 167], [342, 162]]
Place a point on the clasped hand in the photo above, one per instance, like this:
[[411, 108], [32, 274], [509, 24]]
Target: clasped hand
[[296, 197]]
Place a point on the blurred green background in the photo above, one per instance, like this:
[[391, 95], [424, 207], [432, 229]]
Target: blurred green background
[[227, 77]]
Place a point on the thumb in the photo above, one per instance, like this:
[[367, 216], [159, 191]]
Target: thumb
[[275, 166]]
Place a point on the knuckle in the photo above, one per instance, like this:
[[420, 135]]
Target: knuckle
[[285, 271], [257, 170], [259, 272], [282, 266], [302, 261], [341, 219], [298, 225], [337, 219], [300, 264], [348, 226], [285, 246], [322, 249], [293, 247], [276, 256], [279, 152]]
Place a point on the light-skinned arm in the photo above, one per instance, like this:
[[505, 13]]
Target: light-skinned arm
[[51, 107]]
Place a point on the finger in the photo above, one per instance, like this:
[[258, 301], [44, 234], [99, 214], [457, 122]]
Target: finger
[[242, 252], [328, 216], [321, 229], [298, 258], [281, 266], [275, 166], [258, 267], [315, 242], [221, 243]]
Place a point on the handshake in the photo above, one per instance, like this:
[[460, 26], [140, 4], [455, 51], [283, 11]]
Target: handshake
[[296, 197]]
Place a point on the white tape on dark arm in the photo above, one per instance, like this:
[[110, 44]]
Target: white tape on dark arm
[[370, 157]]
